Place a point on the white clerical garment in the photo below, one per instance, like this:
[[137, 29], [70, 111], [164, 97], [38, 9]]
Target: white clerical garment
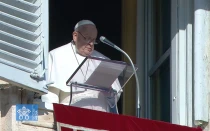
[[63, 61]]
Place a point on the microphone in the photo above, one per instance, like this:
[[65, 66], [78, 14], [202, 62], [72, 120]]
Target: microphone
[[106, 41]]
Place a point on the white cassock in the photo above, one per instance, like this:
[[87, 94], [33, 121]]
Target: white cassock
[[63, 61]]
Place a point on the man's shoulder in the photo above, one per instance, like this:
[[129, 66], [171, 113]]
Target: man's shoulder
[[62, 49]]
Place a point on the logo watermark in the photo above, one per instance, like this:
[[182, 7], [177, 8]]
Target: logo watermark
[[27, 112]]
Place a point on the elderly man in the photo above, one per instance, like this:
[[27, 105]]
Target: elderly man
[[64, 60]]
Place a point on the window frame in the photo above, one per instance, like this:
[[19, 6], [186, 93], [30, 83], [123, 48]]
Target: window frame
[[178, 77]]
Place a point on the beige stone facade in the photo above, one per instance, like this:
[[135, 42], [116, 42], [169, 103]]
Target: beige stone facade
[[9, 97]]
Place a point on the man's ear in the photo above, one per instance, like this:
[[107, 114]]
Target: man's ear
[[74, 34]]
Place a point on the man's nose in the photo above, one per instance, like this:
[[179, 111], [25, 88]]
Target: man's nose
[[91, 43]]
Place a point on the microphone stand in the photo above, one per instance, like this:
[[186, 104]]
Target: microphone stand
[[138, 108]]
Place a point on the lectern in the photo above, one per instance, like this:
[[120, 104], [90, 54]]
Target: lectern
[[99, 74]]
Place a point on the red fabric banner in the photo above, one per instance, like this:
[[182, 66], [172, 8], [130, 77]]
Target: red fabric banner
[[83, 119]]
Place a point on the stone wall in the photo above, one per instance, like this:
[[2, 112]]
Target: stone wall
[[10, 96]]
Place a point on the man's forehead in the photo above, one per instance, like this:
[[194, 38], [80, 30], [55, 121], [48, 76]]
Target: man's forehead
[[82, 23]]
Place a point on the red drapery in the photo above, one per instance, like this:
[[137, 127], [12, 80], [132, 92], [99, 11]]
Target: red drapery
[[84, 118]]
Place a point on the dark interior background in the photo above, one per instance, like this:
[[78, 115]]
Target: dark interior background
[[105, 14]]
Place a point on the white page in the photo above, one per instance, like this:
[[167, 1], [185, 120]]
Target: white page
[[103, 73]]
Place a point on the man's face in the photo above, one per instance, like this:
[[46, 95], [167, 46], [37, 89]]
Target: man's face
[[84, 39]]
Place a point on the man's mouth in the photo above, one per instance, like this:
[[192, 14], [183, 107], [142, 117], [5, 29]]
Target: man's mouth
[[89, 49]]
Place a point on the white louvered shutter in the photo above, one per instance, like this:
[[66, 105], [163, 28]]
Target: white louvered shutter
[[24, 43]]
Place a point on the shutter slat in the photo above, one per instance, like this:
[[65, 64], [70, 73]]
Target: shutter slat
[[18, 31], [18, 50], [18, 22], [16, 65], [18, 12], [31, 1], [22, 5], [18, 41], [18, 59]]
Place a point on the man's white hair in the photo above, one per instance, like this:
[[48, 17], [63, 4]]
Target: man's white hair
[[83, 22]]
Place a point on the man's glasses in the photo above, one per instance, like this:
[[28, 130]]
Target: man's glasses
[[87, 41]]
